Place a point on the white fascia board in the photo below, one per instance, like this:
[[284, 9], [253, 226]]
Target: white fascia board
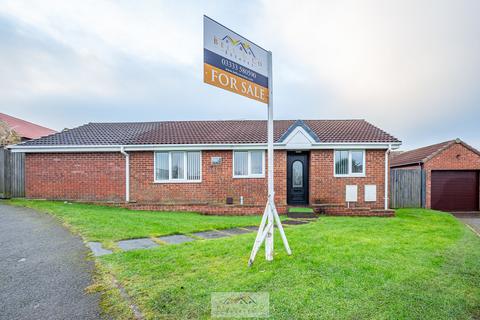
[[172, 147], [62, 149], [371, 145], [116, 148], [347, 146]]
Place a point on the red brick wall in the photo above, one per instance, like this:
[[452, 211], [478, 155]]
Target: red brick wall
[[217, 182], [327, 189], [75, 176], [100, 177], [456, 157]]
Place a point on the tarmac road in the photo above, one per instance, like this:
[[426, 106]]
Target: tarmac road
[[44, 269]]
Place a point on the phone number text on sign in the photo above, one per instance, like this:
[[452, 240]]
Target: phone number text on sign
[[236, 67]]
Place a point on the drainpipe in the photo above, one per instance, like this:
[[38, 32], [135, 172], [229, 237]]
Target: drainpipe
[[127, 173], [386, 175]]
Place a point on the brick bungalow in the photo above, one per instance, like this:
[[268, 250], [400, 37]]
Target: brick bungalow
[[215, 167], [451, 170]]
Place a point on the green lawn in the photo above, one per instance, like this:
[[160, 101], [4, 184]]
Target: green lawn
[[300, 209], [421, 264], [108, 224]]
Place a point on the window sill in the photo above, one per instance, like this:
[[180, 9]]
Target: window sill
[[176, 181], [249, 177], [349, 175]]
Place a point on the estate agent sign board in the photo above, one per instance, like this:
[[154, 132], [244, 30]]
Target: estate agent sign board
[[233, 63]]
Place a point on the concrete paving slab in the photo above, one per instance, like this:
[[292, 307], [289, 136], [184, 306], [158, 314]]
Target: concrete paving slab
[[294, 222], [135, 244], [176, 239], [97, 249], [211, 234], [252, 228], [302, 215], [236, 231]]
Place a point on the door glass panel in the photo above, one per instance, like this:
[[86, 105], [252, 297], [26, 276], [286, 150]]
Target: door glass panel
[[297, 174]]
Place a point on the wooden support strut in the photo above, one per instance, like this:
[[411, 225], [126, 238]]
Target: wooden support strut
[[263, 231]]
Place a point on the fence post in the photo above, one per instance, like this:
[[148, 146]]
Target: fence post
[[2, 172], [12, 174]]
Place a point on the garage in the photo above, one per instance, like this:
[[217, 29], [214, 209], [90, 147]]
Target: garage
[[442, 176], [455, 190]]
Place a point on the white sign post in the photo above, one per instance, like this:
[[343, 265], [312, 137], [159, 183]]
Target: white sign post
[[233, 63]]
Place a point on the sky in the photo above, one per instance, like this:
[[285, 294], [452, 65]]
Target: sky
[[410, 67]]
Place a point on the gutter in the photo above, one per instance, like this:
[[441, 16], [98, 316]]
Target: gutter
[[127, 173], [172, 147], [386, 175]]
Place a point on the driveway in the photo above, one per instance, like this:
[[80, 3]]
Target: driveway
[[469, 218], [43, 269]]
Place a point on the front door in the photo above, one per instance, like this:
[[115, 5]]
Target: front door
[[297, 178]]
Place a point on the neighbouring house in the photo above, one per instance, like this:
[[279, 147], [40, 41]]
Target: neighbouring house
[[215, 167], [450, 174], [14, 130], [22, 129]]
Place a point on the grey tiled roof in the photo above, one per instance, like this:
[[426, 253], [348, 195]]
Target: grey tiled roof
[[210, 132], [416, 156], [422, 155]]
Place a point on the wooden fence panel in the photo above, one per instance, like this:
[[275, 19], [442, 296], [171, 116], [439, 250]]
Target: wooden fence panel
[[17, 185], [407, 188], [12, 174], [3, 187]]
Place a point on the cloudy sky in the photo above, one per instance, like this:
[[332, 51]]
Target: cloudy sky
[[411, 67]]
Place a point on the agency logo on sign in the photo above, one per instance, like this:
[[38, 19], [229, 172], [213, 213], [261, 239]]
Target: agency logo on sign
[[240, 304], [238, 50], [233, 63]]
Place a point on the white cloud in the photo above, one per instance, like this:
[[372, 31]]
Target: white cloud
[[409, 66], [379, 58], [90, 42], [151, 30]]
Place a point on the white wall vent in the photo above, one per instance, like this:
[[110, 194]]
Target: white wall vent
[[351, 193], [370, 193]]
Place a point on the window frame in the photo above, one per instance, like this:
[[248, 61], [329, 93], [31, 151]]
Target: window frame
[[350, 173], [185, 164], [249, 174]]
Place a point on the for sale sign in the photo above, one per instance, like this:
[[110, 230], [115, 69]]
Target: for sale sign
[[233, 63]]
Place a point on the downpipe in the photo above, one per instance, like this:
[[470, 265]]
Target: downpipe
[[387, 153], [127, 173]]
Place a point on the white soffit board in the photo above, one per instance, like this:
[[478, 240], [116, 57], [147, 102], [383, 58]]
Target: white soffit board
[[370, 192], [299, 138], [351, 193]]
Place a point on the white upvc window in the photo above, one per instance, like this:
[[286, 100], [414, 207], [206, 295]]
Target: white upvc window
[[177, 166], [349, 163], [249, 164]]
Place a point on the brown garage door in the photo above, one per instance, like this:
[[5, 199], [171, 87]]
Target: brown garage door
[[455, 190]]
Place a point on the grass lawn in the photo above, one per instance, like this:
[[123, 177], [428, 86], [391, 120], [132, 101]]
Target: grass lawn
[[108, 224], [300, 209], [419, 265]]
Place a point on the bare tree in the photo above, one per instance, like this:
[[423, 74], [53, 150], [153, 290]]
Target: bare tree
[[8, 135]]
